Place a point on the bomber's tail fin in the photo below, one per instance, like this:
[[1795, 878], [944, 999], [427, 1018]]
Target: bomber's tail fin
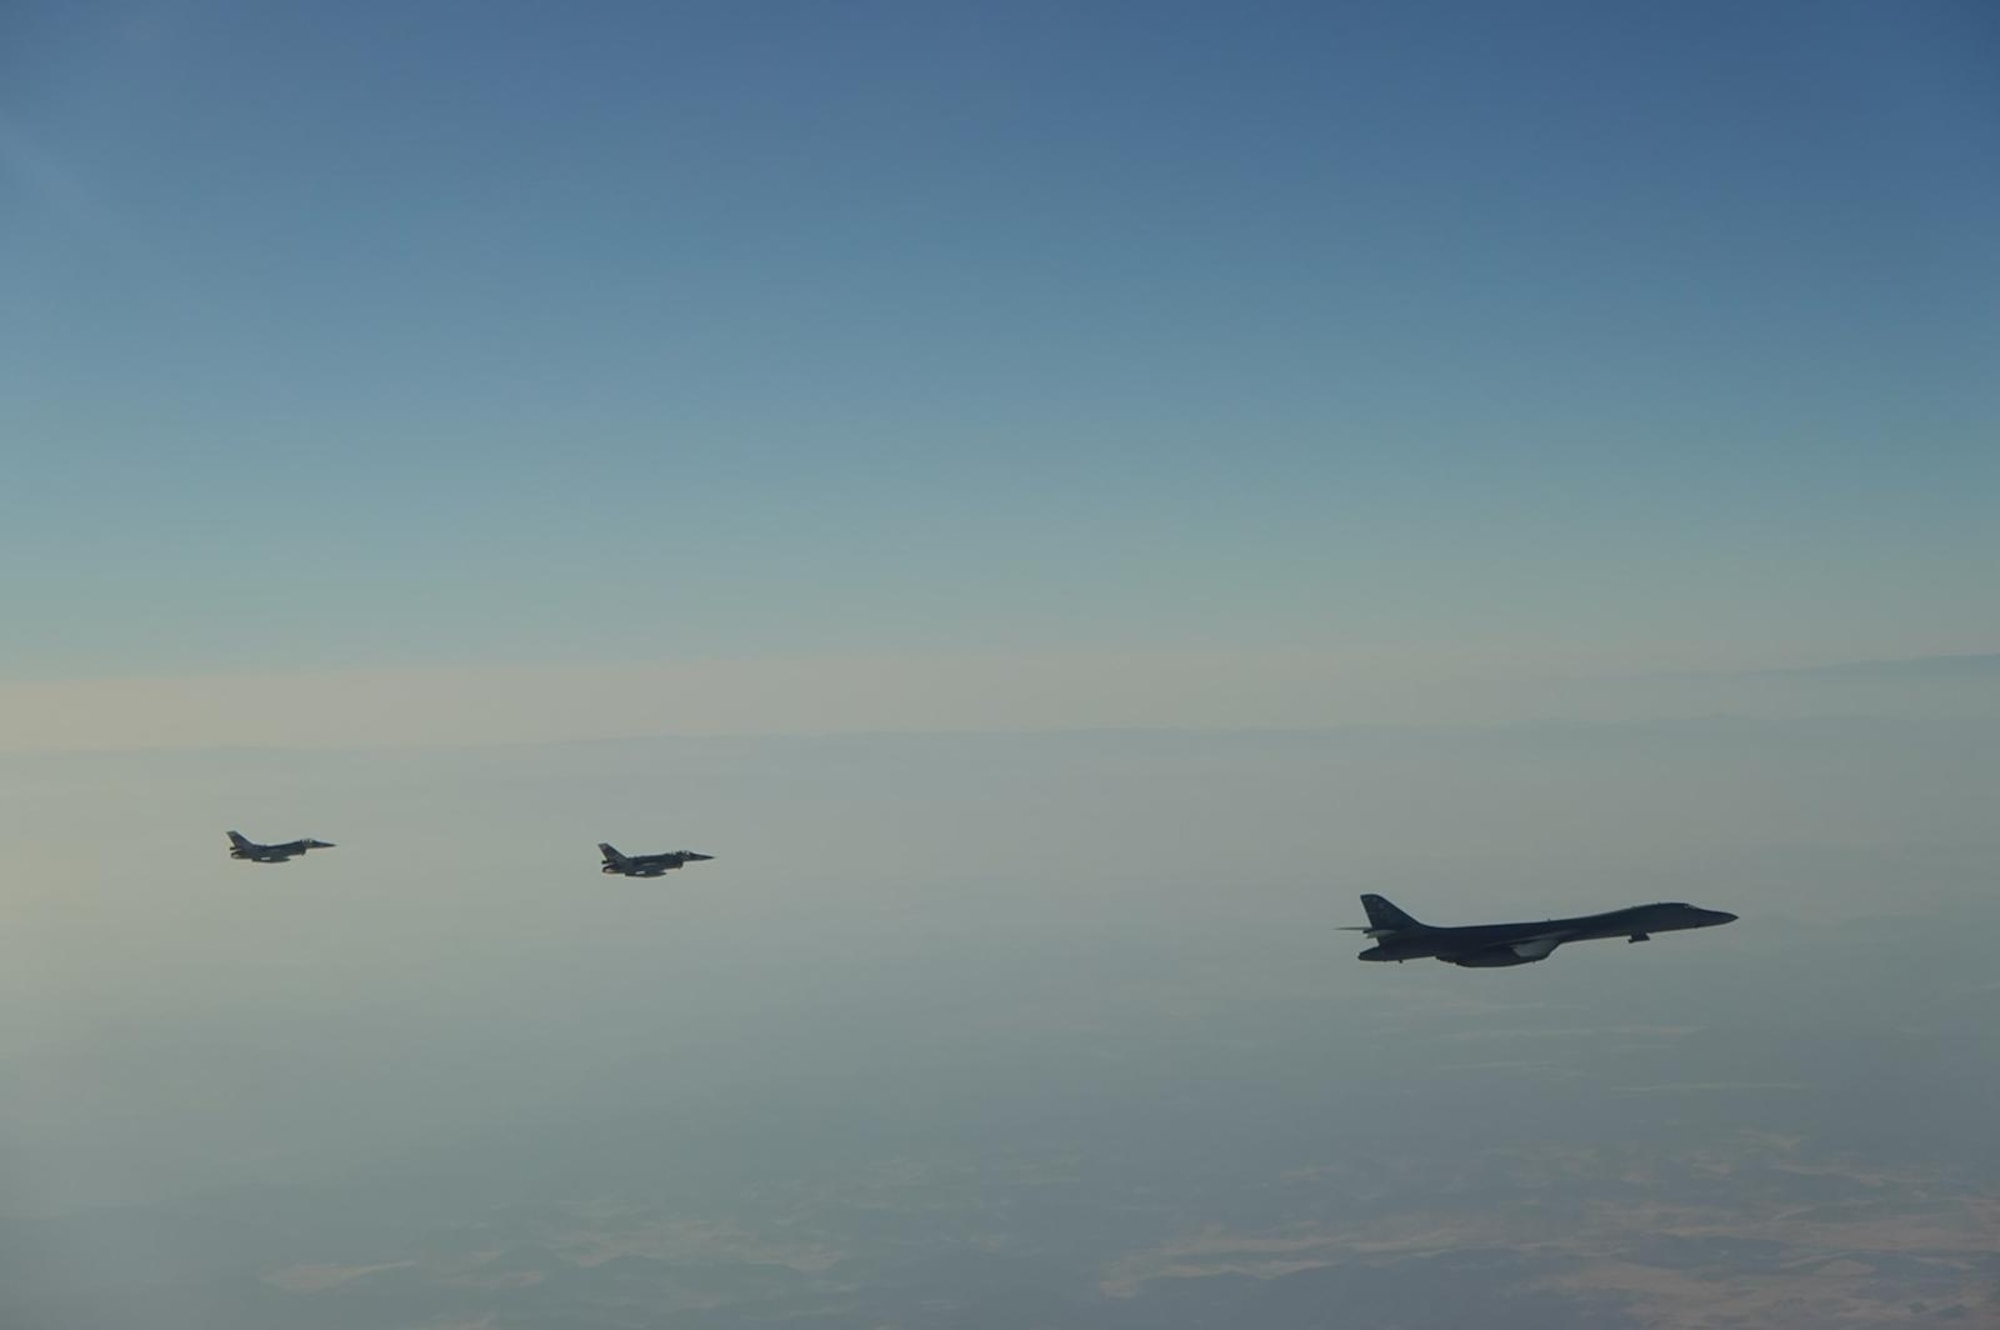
[[1385, 917]]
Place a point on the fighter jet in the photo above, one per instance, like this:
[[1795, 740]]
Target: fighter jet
[[239, 848], [1398, 937], [647, 865]]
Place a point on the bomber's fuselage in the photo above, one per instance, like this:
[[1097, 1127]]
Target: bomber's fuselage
[[1511, 944]]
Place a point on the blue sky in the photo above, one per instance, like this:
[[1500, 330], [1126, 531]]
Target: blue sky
[[463, 335]]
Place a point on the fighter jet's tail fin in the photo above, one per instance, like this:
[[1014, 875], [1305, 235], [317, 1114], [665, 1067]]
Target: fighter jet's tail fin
[[1385, 917], [610, 853], [236, 839]]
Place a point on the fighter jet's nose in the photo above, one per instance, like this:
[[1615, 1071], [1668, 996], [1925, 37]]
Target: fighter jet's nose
[[1721, 917]]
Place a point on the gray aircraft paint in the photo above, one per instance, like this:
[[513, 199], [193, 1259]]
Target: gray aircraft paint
[[241, 847], [1399, 937], [646, 865]]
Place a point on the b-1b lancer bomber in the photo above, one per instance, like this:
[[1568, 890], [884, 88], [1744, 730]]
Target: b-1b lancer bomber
[[646, 865], [239, 848], [1398, 937]]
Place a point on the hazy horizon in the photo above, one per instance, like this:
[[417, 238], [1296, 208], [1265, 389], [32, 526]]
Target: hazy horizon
[[516, 705]]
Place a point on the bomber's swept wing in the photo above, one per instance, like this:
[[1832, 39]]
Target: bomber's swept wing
[[1537, 948], [1525, 951]]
